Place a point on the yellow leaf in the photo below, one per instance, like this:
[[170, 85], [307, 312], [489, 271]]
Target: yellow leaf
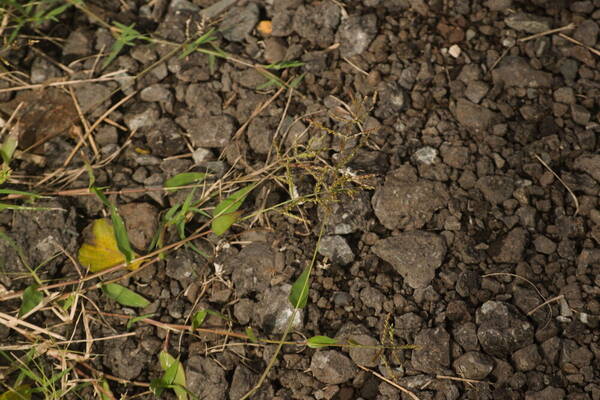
[[99, 250]]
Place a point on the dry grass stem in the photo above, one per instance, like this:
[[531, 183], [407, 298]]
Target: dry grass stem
[[557, 298], [12, 323], [561, 181], [577, 42], [390, 382], [548, 32], [112, 76]]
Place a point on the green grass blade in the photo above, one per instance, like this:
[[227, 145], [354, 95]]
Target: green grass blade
[[7, 206], [284, 65], [21, 193], [198, 319], [317, 342], [299, 292], [251, 335], [118, 225], [174, 375], [185, 178], [124, 296], [31, 298], [133, 320], [233, 202], [222, 223]]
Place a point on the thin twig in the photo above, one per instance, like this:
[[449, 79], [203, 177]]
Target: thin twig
[[108, 77], [544, 303], [356, 67], [390, 382], [455, 378], [95, 124], [12, 322], [577, 42], [561, 181], [549, 32]]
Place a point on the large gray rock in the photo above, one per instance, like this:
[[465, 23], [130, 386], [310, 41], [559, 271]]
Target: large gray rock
[[407, 202], [502, 328], [529, 23], [336, 249], [274, 310], [347, 215], [589, 163], [433, 354], [496, 188], [473, 365], [356, 33], [510, 247], [205, 378], [239, 22], [474, 116], [414, 255], [332, 367], [252, 268], [516, 71]]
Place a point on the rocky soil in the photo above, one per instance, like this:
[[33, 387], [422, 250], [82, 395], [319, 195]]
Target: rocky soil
[[483, 203]]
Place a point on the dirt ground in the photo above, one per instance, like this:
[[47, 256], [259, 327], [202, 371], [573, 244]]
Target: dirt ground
[[461, 138]]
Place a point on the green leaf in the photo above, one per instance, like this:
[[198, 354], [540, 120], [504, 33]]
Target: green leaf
[[121, 235], [21, 392], [31, 298], [200, 316], [198, 319], [157, 386], [136, 319], [105, 393], [225, 212], [189, 48], [52, 14], [251, 335], [6, 206], [124, 296], [8, 148], [68, 302], [126, 37], [222, 223], [21, 193], [174, 375], [233, 202], [185, 178], [118, 225], [317, 342], [299, 292], [284, 65], [296, 81]]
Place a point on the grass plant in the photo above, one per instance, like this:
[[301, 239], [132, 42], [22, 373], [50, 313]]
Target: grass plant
[[47, 364]]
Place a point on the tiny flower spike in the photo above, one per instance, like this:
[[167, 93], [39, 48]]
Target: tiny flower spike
[[100, 250]]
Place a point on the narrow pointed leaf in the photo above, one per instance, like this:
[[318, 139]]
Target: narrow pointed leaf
[[251, 335], [299, 292], [120, 232], [233, 202], [31, 298], [317, 342], [106, 393], [124, 296], [133, 320], [22, 392], [222, 223], [174, 375], [185, 178], [198, 319]]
